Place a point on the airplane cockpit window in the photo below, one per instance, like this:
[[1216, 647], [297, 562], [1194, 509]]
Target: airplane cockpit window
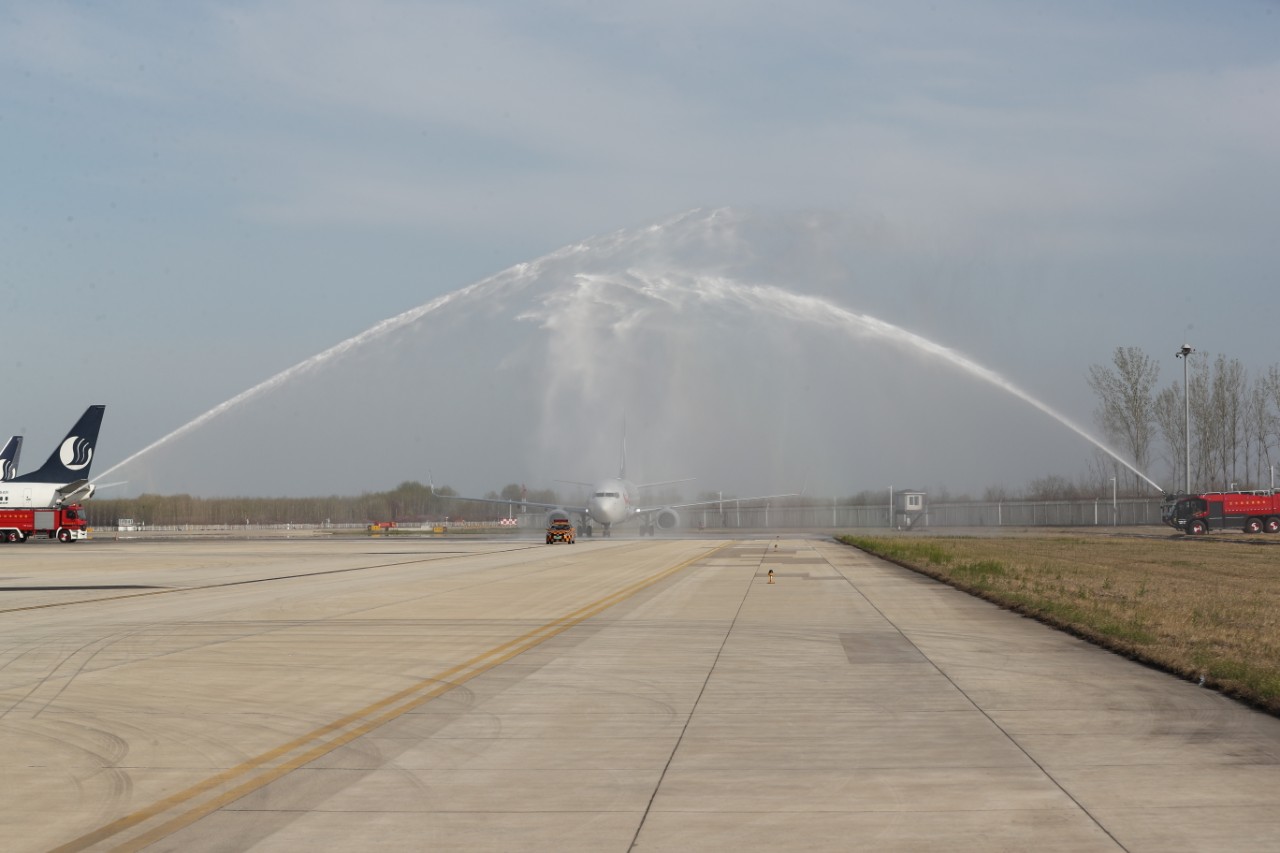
[[606, 494]]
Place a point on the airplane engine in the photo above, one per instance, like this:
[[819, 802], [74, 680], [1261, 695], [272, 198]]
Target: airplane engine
[[556, 514], [667, 519]]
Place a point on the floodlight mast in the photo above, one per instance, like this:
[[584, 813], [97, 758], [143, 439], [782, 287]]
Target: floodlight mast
[[1185, 354]]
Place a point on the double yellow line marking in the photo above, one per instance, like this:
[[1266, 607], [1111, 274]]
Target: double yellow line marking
[[212, 794]]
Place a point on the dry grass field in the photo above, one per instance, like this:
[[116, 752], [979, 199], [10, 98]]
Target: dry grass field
[[1202, 608]]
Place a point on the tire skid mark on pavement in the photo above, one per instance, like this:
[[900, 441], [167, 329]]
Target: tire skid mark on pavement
[[223, 788]]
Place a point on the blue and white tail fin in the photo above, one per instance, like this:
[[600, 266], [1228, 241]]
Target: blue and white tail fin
[[73, 456], [9, 458]]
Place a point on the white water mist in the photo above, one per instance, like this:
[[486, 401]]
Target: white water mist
[[628, 310]]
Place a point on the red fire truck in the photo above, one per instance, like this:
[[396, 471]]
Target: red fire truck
[[66, 524], [1252, 512]]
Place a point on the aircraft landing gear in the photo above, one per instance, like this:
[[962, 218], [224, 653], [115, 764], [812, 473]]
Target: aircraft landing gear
[[607, 532]]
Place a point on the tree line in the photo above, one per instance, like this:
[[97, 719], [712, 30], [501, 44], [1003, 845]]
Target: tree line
[[409, 502], [412, 502], [1234, 420]]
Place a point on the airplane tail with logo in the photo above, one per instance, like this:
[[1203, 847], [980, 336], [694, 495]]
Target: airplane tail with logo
[[71, 460], [9, 458]]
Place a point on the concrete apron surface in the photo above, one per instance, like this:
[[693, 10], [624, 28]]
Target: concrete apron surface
[[652, 695]]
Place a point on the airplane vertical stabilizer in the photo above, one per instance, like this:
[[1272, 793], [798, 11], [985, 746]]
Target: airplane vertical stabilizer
[[622, 465], [73, 456], [9, 458]]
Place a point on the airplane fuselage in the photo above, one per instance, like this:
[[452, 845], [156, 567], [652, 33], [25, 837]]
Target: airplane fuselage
[[39, 495], [29, 494], [612, 501]]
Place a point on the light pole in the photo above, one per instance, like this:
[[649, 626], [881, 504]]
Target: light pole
[[1114, 515], [1185, 355]]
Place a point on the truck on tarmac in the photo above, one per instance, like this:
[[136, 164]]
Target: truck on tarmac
[[66, 524], [1252, 512], [561, 530]]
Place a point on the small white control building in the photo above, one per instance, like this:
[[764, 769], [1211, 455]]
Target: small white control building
[[909, 509]]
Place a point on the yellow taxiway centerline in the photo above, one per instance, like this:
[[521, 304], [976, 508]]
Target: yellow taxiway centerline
[[360, 722]]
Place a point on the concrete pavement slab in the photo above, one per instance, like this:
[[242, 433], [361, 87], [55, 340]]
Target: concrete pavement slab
[[1051, 831], [849, 705]]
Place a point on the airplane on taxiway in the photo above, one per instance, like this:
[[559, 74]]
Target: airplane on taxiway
[[9, 457], [63, 478], [615, 500]]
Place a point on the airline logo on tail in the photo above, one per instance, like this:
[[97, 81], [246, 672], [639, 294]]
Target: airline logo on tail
[[9, 458], [76, 452]]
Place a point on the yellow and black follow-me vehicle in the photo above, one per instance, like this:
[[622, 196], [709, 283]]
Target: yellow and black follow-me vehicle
[[561, 530]]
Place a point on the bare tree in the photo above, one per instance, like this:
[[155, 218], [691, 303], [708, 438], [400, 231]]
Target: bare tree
[[1095, 481], [1170, 416], [1270, 383], [1126, 405], [1226, 404], [1204, 426], [1256, 429], [1053, 487]]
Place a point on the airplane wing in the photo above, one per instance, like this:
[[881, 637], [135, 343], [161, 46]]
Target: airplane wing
[[664, 483], [76, 489], [534, 504], [647, 509]]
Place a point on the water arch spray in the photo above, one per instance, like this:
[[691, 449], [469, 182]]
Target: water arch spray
[[608, 291]]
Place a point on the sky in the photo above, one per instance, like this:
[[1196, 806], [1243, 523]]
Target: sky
[[198, 196]]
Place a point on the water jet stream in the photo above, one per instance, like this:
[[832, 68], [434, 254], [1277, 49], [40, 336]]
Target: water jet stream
[[818, 311], [298, 369], [663, 289], [511, 277]]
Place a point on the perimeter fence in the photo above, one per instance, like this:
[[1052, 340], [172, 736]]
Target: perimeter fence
[[1125, 512]]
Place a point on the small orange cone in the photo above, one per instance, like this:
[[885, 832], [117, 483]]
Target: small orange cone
[[771, 576]]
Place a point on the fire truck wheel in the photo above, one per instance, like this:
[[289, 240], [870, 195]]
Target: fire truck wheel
[[1253, 525], [1273, 524], [12, 536], [1195, 527], [64, 535]]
